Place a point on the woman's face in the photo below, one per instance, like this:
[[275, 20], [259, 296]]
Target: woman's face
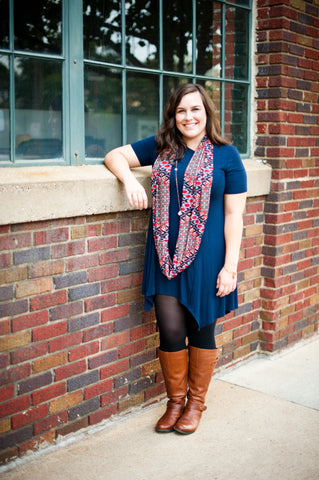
[[190, 117]]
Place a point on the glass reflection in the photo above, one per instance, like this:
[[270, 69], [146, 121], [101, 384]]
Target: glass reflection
[[170, 83], [236, 43], [102, 30], [142, 106], [236, 115], [214, 91], [142, 33], [4, 24], [38, 25], [177, 36], [246, 3], [38, 103], [103, 108], [4, 109], [209, 40]]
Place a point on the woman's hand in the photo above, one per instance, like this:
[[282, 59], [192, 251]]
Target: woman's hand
[[120, 161], [226, 282], [135, 193], [234, 205]]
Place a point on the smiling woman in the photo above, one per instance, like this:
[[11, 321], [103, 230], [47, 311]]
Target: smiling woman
[[191, 119], [199, 191]]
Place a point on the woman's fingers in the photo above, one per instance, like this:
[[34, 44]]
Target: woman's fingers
[[225, 284], [136, 196], [139, 200], [222, 292]]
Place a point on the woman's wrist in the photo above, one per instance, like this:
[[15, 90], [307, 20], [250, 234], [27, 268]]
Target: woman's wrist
[[232, 272]]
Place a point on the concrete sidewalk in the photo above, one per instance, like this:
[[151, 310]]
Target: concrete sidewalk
[[262, 423]]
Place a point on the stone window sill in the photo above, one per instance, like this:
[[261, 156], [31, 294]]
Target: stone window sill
[[30, 194]]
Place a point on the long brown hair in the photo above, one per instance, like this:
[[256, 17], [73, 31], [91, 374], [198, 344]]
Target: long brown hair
[[169, 137]]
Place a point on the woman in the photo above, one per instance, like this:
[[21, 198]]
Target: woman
[[199, 193]]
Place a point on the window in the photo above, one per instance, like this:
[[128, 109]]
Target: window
[[80, 77]]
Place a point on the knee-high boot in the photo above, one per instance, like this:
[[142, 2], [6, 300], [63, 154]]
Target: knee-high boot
[[175, 369], [201, 368]]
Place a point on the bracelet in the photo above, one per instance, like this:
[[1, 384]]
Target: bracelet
[[232, 273]]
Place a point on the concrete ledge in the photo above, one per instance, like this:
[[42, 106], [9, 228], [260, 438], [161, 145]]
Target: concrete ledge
[[30, 194], [258, 177]]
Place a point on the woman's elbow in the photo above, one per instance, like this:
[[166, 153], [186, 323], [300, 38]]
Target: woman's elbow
[[110, 158], [107, 159]]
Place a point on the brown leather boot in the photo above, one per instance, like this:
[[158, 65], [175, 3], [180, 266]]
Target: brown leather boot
[[175, 368], [201, 368]]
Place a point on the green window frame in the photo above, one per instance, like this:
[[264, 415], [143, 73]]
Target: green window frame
[[230, 76]]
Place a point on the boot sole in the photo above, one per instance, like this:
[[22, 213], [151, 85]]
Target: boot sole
[[184, 433]]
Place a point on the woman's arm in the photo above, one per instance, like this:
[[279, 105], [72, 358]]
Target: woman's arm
[[234, 206], [120, 161]]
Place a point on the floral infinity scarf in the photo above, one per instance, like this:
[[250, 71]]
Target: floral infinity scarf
[[194, 207]]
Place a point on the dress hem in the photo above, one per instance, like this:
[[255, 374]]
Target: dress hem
[[148, 305]]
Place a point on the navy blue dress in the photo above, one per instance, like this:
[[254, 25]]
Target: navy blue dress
[[195, 287]]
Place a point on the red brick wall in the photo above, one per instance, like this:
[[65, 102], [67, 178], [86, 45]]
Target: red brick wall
[[76, 345], [288, 138], [237, 334]]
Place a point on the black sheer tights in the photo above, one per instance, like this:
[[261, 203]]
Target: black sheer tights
[[176, 323]]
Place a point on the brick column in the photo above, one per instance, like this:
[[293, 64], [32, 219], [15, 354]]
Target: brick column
[[288, 138]]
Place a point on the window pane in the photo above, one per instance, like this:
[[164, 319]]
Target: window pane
[[38, 25], [142, 33], [142, 106], [236, 118], [170, 84], [4, 109], [236, 43], [38, 102], [209, 40], [4, 24], [214, 91], [103, 108], [177, 33], [246, 3], [102, 30]]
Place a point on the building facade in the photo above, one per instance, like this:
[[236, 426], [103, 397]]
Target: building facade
[[78, 78]]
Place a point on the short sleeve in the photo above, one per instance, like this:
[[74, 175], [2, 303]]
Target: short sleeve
[[145, 151], [235, 175]]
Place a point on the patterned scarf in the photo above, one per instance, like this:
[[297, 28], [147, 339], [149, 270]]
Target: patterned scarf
[[194, 207]]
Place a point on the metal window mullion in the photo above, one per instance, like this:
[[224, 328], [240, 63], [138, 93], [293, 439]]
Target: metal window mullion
[[124, 90], [194, 40], [11, 84], [232, 4], [222, 73], [160, 98], [74, 76], [249, 89], [132, 68], [29, 54], [12, 108], [65, 84], [124, 115], [160, 62], [222, 107], [223, 31]]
